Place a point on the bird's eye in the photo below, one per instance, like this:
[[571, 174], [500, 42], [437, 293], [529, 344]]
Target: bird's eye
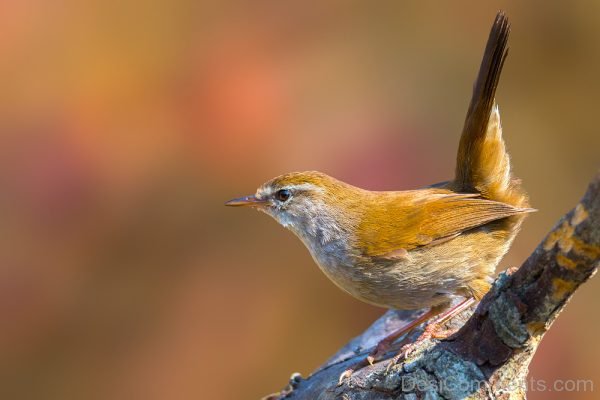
[[283, 195]]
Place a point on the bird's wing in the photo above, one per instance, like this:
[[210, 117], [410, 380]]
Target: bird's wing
[[424, 218]]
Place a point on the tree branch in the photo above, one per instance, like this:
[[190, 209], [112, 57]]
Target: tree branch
[[490, 354]]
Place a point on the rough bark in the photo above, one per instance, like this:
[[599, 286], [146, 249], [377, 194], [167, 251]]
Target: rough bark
[[488, 357]]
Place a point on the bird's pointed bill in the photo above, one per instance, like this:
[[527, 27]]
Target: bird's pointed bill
[[245, 201]]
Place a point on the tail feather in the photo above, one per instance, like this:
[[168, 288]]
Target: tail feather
[[483, 165]]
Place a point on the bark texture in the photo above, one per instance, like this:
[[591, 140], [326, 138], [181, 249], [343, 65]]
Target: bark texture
[[488, 357]]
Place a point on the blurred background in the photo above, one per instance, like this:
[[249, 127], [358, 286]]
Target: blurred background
[[125, 125]]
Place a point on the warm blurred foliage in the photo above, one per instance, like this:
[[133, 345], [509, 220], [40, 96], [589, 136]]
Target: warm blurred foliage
[[125, 126]]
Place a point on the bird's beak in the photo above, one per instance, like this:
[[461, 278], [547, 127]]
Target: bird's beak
[[246, 201]]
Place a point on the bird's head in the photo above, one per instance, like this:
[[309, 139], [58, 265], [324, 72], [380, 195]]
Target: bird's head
[[303, 201]]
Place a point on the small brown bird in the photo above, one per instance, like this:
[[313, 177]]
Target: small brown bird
[[419, 248]]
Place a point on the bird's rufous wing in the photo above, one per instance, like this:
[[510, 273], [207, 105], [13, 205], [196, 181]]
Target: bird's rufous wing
[[407, 220]]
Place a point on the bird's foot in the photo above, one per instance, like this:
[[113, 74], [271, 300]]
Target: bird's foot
[[350, 370], [345, 375], [432, 331], [382, 348], [406, 351], [385, 345], [435, 331]]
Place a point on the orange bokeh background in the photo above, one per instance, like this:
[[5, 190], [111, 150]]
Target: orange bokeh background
[[126, 125]]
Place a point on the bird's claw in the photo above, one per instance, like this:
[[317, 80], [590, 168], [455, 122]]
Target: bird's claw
[[405, 352], [345, 375], [380, 350], [394, 361]]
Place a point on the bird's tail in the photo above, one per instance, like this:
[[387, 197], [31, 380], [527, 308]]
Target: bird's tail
[[483, 165]]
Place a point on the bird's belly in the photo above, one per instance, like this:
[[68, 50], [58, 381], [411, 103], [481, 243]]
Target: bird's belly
[[386, 286], [424, 278]]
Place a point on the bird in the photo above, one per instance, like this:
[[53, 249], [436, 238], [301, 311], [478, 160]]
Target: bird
[[414, 249]]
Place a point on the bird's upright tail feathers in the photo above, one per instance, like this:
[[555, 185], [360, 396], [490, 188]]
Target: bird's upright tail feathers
[[483, 165]]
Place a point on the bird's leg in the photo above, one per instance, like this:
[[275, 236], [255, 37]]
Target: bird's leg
[[386, 343], [432, 330]]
